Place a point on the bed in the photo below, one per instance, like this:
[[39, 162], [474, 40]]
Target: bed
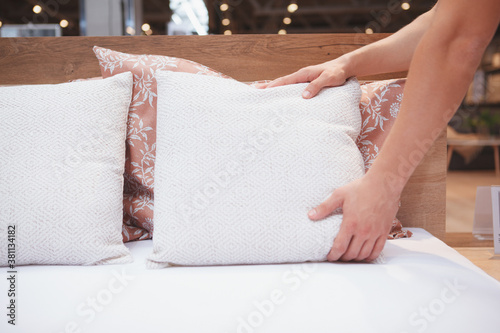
[[423, 286]]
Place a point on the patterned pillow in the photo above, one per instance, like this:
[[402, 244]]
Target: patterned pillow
[[379, 105], [380, 102], [138, 196], [63, 155], [238, 169]]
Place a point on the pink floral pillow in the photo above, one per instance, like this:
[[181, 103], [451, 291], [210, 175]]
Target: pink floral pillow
[[380, 102], [379, 106], [138, 195]]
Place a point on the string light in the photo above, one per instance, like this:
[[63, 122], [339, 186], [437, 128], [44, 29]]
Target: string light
[[226, 22], [287, 20], [1, 23], [146, 27], [292, 7], [282, 32], [369, 31], [224, 7], [37, 9], [64, 23], [405, 5], [228, 32]]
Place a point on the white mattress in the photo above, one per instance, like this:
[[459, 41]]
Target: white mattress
[[424, 286]]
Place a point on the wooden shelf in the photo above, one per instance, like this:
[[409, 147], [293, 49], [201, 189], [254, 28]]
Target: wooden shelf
[[465, 239]]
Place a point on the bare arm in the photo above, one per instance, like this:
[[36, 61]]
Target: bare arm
[[441, 69], [391, 54]]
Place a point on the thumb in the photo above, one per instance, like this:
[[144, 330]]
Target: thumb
[[334, 201]]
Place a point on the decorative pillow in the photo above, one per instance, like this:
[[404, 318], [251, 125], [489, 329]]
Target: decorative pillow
[[138, 196], [380, 103], [63, 155], [238, 169]]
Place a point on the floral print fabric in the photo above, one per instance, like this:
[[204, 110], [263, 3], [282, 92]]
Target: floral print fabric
[[380, 103], [379, 107], [138, 198]]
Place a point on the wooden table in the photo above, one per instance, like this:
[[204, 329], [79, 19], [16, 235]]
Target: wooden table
[[480, 253], [493, 142]]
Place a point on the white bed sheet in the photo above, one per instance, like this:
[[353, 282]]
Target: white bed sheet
[[424, 286]]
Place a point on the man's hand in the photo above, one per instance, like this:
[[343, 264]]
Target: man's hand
[[369, 207], [328, 74]]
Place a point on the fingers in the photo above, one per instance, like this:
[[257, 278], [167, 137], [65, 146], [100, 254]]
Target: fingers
[[356, 243], [262, 85], [316, 85], [364, 251], [340, 244], [377, 249], [300, 76], [334, 201]]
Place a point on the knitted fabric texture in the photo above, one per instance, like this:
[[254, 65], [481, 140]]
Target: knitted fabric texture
[[63, 156], [138, 194], [238, 169]]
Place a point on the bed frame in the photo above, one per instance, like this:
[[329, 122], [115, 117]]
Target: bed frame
[[243, 57]]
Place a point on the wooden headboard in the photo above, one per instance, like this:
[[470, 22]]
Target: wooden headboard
[[244, 57]]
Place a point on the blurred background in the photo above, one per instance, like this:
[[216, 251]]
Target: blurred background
[[473, 133], [162, 17]]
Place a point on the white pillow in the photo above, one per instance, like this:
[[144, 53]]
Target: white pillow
[[238, 168], [62, 158]]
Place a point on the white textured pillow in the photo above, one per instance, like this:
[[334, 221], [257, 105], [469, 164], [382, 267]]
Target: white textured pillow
[[238, 168], [62, 156]]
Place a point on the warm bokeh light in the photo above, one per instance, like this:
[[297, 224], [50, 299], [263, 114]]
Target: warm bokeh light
[[292, 8], [282, 32], [405, 5], [130, 30], [1, 24], [228, 32], [495, 61], [287, 20], [37, 9], [224, 7], [149, 32], [226, 22], [368, 31], [145, 27], [64, 23]]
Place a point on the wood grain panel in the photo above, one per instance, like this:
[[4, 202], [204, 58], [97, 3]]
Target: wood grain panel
[[423, 202], [244, 57]]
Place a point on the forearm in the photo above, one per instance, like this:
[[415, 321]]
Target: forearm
[[391, 54], [440, 73]]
